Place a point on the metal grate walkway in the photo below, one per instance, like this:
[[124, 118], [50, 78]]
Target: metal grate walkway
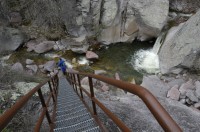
[[71, 114]]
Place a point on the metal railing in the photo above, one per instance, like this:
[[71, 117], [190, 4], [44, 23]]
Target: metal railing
[[7, 116], [160, 114]]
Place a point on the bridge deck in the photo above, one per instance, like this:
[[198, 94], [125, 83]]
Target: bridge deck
[[71, 114]]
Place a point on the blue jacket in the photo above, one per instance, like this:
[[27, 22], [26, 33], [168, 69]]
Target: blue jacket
[[62, 65]]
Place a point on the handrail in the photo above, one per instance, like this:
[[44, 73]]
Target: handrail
[[7, 116], [160, 114]]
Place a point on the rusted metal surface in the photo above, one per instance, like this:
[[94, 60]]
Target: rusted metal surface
[[7, 116], [160, 114], [92, 95]]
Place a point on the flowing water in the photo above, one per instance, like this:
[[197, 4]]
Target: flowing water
[[129, 60]]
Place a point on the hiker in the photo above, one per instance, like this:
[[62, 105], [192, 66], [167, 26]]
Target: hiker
[[62, 65]]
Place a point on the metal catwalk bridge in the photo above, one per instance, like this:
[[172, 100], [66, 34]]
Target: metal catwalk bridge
[[71, 112]]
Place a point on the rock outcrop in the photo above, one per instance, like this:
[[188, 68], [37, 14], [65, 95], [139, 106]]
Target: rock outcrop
[[11, 39], [110, 21], [181, 47], [133, 19], [184, 6]]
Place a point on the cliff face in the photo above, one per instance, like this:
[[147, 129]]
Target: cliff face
[[110, 20]]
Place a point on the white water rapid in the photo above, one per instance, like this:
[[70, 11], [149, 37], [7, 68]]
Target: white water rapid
[[145, 61]]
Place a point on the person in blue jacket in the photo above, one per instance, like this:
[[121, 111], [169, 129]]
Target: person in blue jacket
[[62, 65]]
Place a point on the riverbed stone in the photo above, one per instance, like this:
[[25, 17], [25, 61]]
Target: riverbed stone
[[173, 93], [191, 96], [33, 68], [91, 55], [186, 86], [17, 67], [29, 61]]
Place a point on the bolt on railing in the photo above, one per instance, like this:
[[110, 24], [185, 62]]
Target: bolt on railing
[[160, 114], [7, 116]]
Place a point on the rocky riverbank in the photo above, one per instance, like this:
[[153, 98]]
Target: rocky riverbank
[[35, 33]]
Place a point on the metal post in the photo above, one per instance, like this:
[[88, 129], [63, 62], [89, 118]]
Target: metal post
[[75, 83], [44, 105], [51, 90], [92, 95], [79, 83]]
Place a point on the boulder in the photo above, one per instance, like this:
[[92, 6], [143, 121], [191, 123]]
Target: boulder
[[184, 6], [91, 55], [151, 16], [44, 46], [191, 96], [185, 87], [11, 39], [49, 66], [197, 91], [29, 61], [173, 93], [17, 67], [33, 68], [181, 49], [126, 20], [79, 45], [156, 86]]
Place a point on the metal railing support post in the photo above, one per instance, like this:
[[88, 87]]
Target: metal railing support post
[[52, 92], [92, 95], [44, 105], [75, 86], [79, 83]]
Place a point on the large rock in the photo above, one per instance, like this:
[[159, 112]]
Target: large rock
[[184, 6], [181, 49], [11, 39], [77, 45], [131, 110], [151, 16], [127, 20], [44, 47]]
